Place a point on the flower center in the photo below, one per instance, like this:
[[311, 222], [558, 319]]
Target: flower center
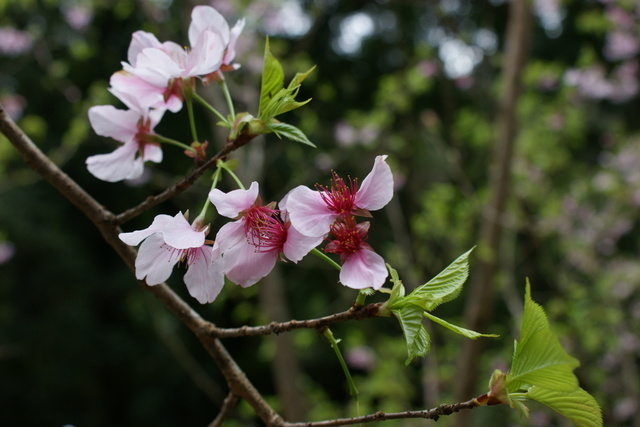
[[341, 197], [264, 229], [348, 237]]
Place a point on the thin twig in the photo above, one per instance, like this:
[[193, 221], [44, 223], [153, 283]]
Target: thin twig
[[431, 414], [227, 406], [183, 184], [354, 313]]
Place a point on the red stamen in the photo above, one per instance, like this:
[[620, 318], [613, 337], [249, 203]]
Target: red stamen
[[264, 229], [341, 197]]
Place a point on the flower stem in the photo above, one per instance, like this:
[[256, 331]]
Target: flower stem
[[209, 107], [192, 120], [360, 298], [164, 140], [215, 178], [225, 90], [223, 165], [324, 257], [353, 391]]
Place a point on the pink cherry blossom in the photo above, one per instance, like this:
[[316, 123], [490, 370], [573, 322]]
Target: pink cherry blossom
[[361, 266], [206, 18], [168, 65], [171, 240], [313, 212], [134, 129], [252, 244]]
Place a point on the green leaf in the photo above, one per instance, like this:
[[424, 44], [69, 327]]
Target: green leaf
[[533, 317], [444, 287], [577, 405], [297, 80], [272, 79], [418, 341], [398, 289], [289, 131], [457, 329], [542, 361], [539, 359]]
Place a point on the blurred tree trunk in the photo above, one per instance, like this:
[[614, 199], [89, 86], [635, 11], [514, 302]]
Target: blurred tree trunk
[[479, 306], [285, 366]]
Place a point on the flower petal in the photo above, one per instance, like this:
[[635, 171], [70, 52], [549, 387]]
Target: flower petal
[[206, 18], [232, 203], [117, 165], [136, 93], [244, 265], [363, 269], [298, 245], [156, 67], [152, 153], [133, 238], [206, 56], [230, 53], [229, 235], [377, 188], [205, 277], [155, 260], [140, 40], [308, 212], [181, 235], [121, 125]]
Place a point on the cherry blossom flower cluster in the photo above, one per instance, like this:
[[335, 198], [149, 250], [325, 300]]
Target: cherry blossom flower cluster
[[333, 210], [156, 78], [246, 250], [160, 77]]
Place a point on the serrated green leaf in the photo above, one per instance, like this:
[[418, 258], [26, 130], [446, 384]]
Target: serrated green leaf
[[289, 131], [272, 79], [542, 361], [577, 405], [534, 318], [297, 80], [282, 102], [538, 358], [457, 329], [418, 341], [444, 287]]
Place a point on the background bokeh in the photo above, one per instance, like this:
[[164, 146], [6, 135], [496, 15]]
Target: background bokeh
[[81, 344]]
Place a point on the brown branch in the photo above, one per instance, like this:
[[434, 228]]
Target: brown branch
[[227, 406], [104, 221], [205, 331], [354, 313], [431, 414]]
